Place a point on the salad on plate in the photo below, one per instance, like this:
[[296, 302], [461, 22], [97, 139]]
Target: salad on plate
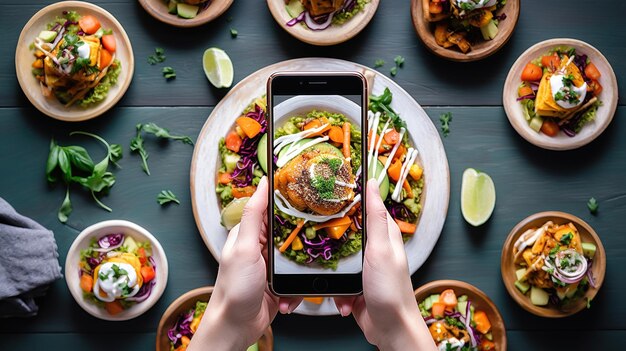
[[560, 92], [323, 231], [187, 324], [553, 264], [116, 272], [455, 324], [75, 60], [321, 14], [186, 8], [463, 23]]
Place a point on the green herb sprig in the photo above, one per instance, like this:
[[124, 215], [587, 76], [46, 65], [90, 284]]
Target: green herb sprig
[[382, 103], [158, 57], [136, 143], [233, 33], [593, 205], [445, 119], [167, 196], [168, 73]]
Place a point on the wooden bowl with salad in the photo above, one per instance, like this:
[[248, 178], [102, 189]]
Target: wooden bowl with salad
[[560, 94], [73, 61], [181, 319], [185, 13], [553, 264], [464, 30], [445, 306]]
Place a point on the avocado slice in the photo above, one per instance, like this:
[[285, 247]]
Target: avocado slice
[[48, 35], [186, 10], [261, 152], [171, 7]]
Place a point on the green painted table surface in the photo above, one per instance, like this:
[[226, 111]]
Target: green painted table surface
[[528, 179]]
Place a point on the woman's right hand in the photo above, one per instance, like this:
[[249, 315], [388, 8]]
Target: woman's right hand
[[387, 312]]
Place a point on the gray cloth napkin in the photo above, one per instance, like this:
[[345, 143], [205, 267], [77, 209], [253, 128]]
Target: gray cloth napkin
[[28, 262]]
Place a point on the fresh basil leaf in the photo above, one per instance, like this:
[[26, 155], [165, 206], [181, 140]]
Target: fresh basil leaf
[[65, 165], [66, 207], [115, 152], [79, 157], [53, 161]]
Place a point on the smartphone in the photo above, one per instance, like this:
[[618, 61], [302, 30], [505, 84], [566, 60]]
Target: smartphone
[[316, 213]]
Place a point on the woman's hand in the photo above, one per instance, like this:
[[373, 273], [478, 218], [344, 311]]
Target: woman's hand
[[241, 306], [387, 312]]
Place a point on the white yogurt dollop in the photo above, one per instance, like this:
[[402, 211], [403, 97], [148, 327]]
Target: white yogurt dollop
[[115, 280], [83, 51], [559, 89]]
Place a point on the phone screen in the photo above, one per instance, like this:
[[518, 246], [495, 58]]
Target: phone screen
[[316, 147]]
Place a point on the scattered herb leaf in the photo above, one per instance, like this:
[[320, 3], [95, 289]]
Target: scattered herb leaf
[[393, 71], [158, 57], [379, 63], [136, 143], [445, 119], [167, 196], [399, 60], [168, 72], [233, 32], [593, 205]]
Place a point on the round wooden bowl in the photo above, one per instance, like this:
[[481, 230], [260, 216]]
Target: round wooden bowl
[[24, 58], [478, 299], [158, 10], [425, 31], [82, 242], [186, 302], [332, 35], [591, 130], [508, 267]]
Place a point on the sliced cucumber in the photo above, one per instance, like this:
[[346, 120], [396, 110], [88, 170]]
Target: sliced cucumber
[[461, 306], [48, 35], [230, 161], [130, 244], [261, 152], [538, 296], [520, 273], [187, 11], [536, 123], [522, 286], [489, 31], [589, 250], [171, 7]]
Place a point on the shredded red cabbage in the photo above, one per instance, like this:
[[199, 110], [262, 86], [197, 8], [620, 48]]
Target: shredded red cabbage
[[501, 17], [244, 171], [143, 293], [181, 328], [110, 242], [529, 96]]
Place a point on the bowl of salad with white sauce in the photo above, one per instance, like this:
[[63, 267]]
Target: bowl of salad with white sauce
[[116, 270]]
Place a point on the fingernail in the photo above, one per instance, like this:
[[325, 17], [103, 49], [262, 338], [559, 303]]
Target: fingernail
[[341, 311]]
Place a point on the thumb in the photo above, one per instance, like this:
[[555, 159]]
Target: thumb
[[376, 216], [253, 215]]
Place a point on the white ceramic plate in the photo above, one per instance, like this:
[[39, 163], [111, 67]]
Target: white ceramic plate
[[24, 58], [332, 35], [421, 130], [590, 131], [98, 230]]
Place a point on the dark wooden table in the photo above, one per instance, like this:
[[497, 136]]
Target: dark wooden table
[[528, 179]]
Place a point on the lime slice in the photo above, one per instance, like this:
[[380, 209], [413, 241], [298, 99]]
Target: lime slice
[[218, 67], [478, 196], [231, 214]]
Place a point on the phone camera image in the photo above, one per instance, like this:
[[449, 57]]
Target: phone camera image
[[317, 184]]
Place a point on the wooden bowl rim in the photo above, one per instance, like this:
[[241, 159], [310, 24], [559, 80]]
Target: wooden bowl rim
[[329, 36], [103, 106], [158, 10], [196, 294], [599, 264], [438, 285], [486, 49]]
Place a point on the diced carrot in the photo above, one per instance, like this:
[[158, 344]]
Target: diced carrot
[[438, 309], [89, 24], [549, 128], [400, 152], [249, 126], [551, 61], [532, 73], [233, 142], [596, 87], [114, 307], [406, 227], [407, 187], [335, 134], [108, 41], [337, 231], [86, 282], [246, 191], [435, 8], [39, 54], [333, 223], [316, 123], [291, 236], [392, 137], [394, 170], [37, 63], [448, 297], [346, 139], [224, 178], [525, 90], [483, 325], [486, 345], [147, 273], [315, 300], [185, 340], [141, 254], [105, 58], [592, 72]]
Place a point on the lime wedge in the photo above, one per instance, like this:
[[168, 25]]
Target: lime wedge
[[218, 67], [478, 196], [231, 214]]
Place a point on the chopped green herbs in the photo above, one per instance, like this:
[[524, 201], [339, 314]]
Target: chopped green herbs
[[333, 163], [325, 186], [158, 57], [167, 196], [393, 71], [117, 271], [168, 72], [382, 103], [399, 60], [593, 205], [233, 33], [566, 239], [379, 63], [445, 119]]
